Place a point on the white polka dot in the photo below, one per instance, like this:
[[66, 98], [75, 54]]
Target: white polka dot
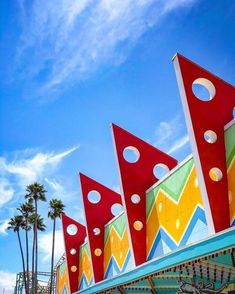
[[196, 182], [160, 207]]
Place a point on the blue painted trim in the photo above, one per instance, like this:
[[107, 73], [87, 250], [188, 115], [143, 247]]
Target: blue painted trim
[[217, 242], [65, 290], [113, 264], [161, 235], [199, 214], [84, 281]]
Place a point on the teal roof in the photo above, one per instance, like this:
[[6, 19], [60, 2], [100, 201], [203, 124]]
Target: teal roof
[[213, 252]]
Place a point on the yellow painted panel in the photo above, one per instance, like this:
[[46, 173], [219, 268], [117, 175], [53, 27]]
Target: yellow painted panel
[[85, 267], [173, 216], [231, 190], [116, 246], [62, 281]]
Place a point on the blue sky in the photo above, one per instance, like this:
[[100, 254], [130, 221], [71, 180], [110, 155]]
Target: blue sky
[[70, 68]]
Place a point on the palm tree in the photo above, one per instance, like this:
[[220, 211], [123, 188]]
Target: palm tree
[[56, 208], [15, 224], [40, 227], [35, 193], [26, 210]]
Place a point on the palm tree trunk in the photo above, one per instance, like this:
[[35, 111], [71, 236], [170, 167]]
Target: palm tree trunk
[[33, 259], [22, 257], [36, 248], [52, 255], [27, 254]]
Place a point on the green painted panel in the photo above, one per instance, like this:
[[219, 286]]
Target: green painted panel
[[119, 224], [230, 143], [62, 268], [83, 248], [173, 185]]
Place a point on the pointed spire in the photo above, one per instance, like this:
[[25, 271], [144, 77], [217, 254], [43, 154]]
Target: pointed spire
[[74, 236], [206, 119], [136, 176], [98, 201]]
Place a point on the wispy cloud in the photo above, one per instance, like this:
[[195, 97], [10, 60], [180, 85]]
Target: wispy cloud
[[68, 40], [56, 186], [3, 227], [61, 189], [28, 170], [170, 136], [6, 191], [21, 168], [45, 245], [7, 281], [180, 143], [24, 170], [57, 157]]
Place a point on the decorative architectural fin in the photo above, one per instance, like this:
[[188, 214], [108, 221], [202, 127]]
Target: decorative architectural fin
[[74, 236], [206, 118], [137, 174], [99, 202]]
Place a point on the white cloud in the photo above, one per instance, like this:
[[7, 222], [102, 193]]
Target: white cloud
[[63, 190], [56, 158], [56, 186], [3, 227], [68, 40], [173, 4], [6, 191], [58, 190], [7, 281], [26, 168], [45, 244], [29, 170], [170, 136], [165, 131], [181, 142]]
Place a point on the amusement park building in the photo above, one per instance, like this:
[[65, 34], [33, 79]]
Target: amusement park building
[[176, 234]]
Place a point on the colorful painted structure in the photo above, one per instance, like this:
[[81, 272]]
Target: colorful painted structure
[[176, 233]]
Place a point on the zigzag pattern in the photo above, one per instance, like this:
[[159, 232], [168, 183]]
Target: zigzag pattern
[[230, 156], [173, 186], [119, 224], [62, 280], [85, 270], [117, 257], [113, 268], [83, 284], [175, 214], [196, 230]]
